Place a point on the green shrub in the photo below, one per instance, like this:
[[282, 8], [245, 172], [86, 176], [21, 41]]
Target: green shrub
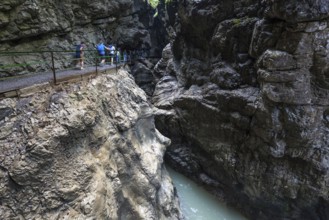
[[155, 3]]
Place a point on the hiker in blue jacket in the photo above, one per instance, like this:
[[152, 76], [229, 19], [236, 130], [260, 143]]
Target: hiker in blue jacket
[[101, 52]]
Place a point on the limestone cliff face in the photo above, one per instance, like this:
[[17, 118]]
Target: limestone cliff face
[[35, 25], [61, 23], [84, 151], [245, 87]]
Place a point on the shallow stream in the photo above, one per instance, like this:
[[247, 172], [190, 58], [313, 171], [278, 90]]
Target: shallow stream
[[197, 204]]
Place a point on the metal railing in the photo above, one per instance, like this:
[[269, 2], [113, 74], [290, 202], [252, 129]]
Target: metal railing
[[23, 63]]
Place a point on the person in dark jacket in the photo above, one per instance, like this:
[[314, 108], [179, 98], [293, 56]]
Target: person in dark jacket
[[80, 54]]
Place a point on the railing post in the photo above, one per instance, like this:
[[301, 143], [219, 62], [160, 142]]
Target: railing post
[[116, 61], [96, 63], [130, 57], [53, 67]]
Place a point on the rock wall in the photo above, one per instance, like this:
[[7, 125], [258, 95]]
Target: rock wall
[[35, 25], [244, 86], [84, 151], [61, 23]]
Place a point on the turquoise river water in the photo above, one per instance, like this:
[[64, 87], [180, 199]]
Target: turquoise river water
[[197, 204]]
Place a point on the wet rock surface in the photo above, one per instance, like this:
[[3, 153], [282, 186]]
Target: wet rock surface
[[244, 98], [88, 150]]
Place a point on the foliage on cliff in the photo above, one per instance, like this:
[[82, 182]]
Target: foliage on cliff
[[155, 3]]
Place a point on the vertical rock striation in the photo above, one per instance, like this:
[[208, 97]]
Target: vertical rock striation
[[245, 93], [84, 151]]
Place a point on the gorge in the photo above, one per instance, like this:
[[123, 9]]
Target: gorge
[[237, 101]]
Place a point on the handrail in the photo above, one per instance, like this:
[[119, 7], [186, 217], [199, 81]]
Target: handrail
[[57, 51], [54, 60], [42, 51], [19, 65]]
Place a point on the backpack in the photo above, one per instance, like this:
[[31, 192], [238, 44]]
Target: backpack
[[100, 47]]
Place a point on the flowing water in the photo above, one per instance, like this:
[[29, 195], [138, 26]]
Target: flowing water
[[197, 204]]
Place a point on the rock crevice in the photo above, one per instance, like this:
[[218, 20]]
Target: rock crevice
[[245, 102]]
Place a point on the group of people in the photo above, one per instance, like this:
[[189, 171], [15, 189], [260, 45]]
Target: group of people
[[103, 52], [101, 49]]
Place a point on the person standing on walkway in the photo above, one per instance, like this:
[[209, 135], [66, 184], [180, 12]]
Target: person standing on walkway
[[118, 56], [112, 53], [125, 56], [80, 55], [101, 52]]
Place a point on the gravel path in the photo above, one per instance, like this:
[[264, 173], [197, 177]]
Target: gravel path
[[25, 81]]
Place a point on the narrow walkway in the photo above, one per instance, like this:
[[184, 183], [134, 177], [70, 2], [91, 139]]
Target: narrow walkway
[[30, 80]]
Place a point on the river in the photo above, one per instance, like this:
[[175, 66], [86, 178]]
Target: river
[[197, 204]]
